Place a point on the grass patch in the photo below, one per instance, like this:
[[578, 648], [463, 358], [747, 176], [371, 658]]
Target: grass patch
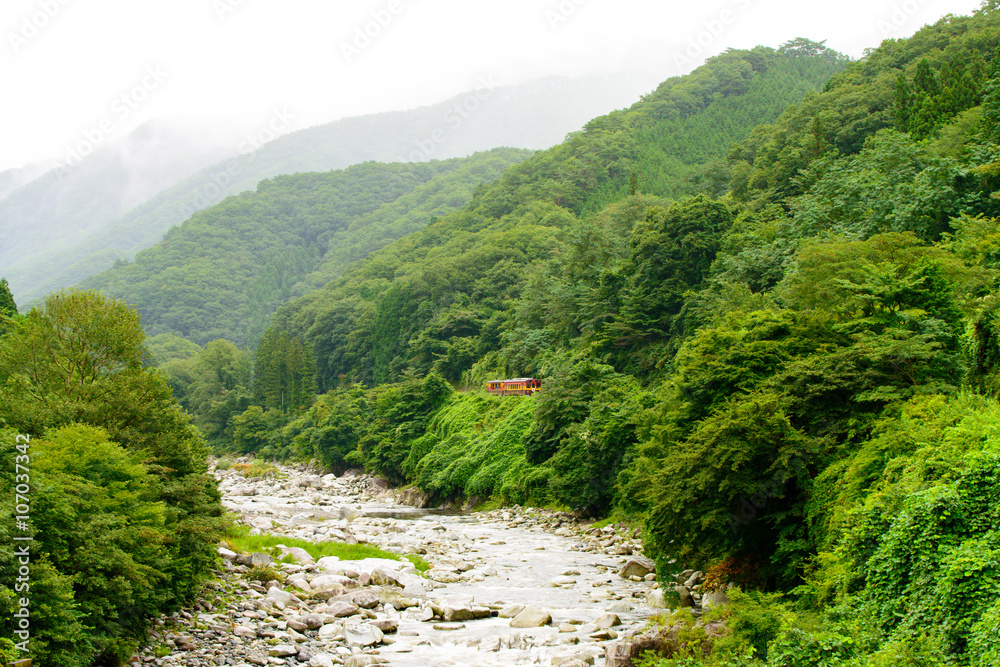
[[489, 505], [418, 562], [239, 539]]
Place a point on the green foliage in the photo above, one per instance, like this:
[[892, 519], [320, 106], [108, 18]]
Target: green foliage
[[7, 306], [125, 515], [736, 485], [671, 253], [222, 273], [284, 373]]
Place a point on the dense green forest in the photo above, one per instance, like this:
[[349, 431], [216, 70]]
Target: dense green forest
[[766, 325], [782, 359], [222, 273], [124, 516]]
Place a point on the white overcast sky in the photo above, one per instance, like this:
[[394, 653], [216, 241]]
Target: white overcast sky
[[65, 64]]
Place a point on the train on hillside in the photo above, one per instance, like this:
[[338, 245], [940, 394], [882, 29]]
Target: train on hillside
[[514, 387]]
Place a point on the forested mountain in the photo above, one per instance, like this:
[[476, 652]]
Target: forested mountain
[[223, 272], [472, 265], [70, 233], [783, 361]]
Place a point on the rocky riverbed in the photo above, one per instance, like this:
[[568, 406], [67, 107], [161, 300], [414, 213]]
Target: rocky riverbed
[[508, 587]]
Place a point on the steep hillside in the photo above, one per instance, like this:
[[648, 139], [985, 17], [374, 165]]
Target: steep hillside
[[223, 272], [93, 234], [473, 265]]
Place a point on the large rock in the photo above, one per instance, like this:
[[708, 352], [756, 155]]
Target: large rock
[[607, 621], [329, 563], [300, 555], [365, 660], [531, 617], [387, 625], [282, 651], [362, 634], [282, 596], [637, 566], [314, 482], [656, 599], [332, 582], [341, 609], [322, 660], [261, 560], [510, 611], [392, 596]]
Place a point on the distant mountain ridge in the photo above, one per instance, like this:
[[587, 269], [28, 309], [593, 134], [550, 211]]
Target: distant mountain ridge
[[222, 273], [534, 115]]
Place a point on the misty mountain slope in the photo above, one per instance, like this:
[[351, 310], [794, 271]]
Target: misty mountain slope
[[14, 179], [60, 208], [222, 273], [533, 115]]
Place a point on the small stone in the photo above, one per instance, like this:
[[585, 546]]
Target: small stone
[[341, 609]]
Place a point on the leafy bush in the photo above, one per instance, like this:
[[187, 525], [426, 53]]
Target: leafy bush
[[224, 464]]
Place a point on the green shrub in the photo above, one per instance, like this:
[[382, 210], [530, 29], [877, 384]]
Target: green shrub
[[264, 574]]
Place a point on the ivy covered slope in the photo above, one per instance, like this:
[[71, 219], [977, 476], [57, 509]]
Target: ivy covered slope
[[790, 376], [123, 514], [223, 272]]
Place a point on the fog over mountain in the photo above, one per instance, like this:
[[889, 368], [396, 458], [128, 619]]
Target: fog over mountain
[[72, 223]]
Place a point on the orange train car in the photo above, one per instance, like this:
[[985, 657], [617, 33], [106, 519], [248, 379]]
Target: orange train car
[[514, 387]]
